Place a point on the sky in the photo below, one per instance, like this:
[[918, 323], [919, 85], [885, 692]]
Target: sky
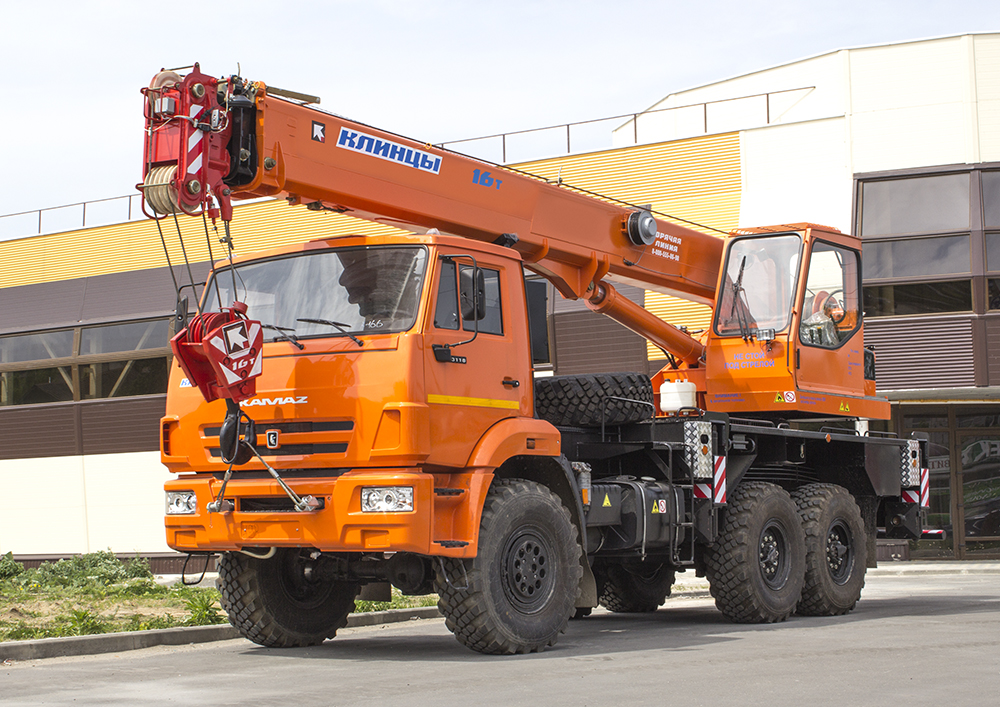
[[435, 70]]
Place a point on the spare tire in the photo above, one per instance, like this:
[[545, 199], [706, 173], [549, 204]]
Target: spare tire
[[583, 401]]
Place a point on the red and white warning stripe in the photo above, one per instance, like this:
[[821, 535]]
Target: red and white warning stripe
[[703, 491], [910, 496], [719, 495], [194, 146], [925, 488]]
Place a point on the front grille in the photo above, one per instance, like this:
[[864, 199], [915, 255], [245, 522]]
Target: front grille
[[294, 427], [292, 450]]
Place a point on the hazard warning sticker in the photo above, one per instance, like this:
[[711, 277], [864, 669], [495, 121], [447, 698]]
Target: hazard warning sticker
[[319, 132], [789, 396], [607, 501]]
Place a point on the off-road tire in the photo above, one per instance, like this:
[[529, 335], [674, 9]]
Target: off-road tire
[[638, 589], [756, 568], [519, 592], [836, 550], [273, 604], [582, 401]]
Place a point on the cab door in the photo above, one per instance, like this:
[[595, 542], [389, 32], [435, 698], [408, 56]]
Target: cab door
[[486, 376], [830, 346]]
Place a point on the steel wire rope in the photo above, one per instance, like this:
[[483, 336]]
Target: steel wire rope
[[187, 262]]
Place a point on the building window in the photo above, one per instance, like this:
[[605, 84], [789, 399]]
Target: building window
[[919, 298], [993, 254], [991, 199], [921, 232], [929, 204], [36, 347], [917, 257], [86, 363]]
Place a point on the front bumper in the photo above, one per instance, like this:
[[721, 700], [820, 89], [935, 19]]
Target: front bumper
[[435, 526]]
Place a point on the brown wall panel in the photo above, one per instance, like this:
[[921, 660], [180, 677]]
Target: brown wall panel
[[92, 300], [587, 342], [125, 425], [922, 352], [993, 349], [31, 431], [106, 427]]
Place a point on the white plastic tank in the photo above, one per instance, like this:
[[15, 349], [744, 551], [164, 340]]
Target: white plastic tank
[[675, 395]]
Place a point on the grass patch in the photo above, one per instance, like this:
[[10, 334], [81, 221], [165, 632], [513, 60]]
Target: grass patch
[[95, 593], [98, 593], [399, 601]]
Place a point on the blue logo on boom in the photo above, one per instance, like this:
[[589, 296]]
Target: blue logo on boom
[[388, 150]]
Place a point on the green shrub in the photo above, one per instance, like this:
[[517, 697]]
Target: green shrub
[[203, 609], [9, 568], [94, 569], [83, 622]]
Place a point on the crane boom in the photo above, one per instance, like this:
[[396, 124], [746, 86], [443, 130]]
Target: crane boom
[[245, 143]]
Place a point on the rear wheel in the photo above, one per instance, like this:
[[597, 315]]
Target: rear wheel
[[276, 603], [756, 568], [519, 592], [636, 589], [836, 551]]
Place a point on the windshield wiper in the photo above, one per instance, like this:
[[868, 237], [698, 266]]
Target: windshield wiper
[[283, 334], [739, 298], [342, 328]]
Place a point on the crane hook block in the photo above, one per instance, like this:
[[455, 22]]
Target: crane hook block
[[221, 353]]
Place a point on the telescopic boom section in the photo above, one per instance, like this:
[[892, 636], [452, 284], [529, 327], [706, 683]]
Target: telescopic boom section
[[255, 144]]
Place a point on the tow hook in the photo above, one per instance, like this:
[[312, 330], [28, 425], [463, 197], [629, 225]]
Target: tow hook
[[241, 445]]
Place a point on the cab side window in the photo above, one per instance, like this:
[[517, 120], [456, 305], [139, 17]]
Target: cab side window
[[492, 323], [830, 311], [446, 309]]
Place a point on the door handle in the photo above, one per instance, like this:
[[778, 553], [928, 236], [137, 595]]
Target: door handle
[[511, 382]]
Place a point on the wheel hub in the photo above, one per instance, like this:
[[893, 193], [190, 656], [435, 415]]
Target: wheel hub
[[839, 557], [772, 555], [527, 579]]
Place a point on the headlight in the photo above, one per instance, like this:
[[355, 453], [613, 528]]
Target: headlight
[[181, 503], [386, 499]]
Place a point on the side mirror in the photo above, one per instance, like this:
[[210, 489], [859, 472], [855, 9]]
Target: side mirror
[[472, 293], [181, 313]]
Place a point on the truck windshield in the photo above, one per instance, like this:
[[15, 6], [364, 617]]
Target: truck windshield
[[365, 290], [759, 285]]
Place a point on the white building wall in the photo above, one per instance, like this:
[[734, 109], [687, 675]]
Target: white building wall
[[806, 90], [911, 105], [795, 173], [86, 504], [986, 50], [916, 104]]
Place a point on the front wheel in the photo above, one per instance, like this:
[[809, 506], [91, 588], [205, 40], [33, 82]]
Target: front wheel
[[276, 602], [836, 551], [756, 568], [519, 592]]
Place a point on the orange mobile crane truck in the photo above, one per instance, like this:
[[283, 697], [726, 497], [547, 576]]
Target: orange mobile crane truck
[[358, 412]]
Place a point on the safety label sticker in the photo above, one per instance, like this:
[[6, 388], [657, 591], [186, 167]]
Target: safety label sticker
[[319, 132]]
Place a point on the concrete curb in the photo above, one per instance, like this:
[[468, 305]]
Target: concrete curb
[[134, 640], [114, 642]]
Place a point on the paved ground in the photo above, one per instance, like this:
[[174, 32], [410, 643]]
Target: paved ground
[[915, 639]]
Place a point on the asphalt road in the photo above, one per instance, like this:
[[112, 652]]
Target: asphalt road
[[913, 640]]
